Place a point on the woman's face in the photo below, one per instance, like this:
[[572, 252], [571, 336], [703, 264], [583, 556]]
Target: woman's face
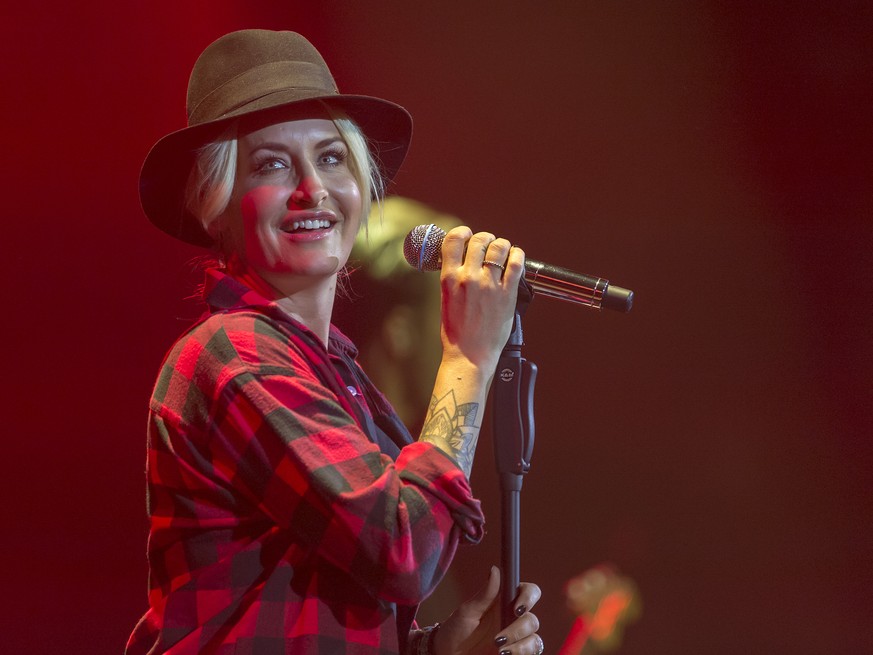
[[296, 205]]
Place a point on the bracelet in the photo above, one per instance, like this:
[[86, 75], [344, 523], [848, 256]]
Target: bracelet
[[423, 642]]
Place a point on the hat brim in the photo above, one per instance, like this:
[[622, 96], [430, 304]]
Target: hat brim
[[164, 175]]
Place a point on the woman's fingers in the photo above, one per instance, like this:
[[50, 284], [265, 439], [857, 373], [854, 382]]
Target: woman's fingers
[[528, 595], [477, 248], [461, 247], [520, 637], [455, 245], [531, 645], [514, 266], [524, 626]]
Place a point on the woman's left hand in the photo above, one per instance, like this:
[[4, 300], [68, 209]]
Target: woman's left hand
[[474, 628]]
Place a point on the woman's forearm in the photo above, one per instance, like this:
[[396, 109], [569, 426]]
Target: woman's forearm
[[454, 415]]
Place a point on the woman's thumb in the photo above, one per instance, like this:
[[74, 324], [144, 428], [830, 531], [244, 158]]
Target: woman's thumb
[[479, 602]]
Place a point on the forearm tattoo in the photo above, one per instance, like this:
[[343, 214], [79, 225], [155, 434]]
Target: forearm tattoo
[[452, 428]]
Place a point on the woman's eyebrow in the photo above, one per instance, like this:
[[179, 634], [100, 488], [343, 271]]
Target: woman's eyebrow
[[282, 147]]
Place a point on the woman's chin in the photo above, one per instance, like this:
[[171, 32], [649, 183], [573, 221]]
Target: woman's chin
[[300, 274]]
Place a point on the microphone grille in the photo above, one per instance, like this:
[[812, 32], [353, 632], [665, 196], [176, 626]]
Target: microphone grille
[[422, 245]]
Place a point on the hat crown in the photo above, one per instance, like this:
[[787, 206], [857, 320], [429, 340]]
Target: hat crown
[[248, 66]]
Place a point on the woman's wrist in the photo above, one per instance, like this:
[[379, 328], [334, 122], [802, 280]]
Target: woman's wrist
[[421, 641], [458, 371]]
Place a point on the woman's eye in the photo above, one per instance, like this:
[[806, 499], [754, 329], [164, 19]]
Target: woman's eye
[[333, 157], [270, 164]]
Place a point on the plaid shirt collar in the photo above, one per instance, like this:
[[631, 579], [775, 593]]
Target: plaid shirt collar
[[223, 292]]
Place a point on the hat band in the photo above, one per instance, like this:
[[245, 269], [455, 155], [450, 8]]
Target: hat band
[[258, 82]]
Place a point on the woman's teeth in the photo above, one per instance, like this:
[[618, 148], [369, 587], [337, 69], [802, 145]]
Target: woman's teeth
[[316, 224]]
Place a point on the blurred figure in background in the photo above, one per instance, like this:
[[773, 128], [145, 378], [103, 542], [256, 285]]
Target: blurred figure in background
[[604, 602], [398, 335]]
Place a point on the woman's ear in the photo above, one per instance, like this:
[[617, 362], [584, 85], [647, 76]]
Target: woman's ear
[[221, 239], [216, 227]]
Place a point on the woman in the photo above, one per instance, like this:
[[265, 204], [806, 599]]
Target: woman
[[290, 510]]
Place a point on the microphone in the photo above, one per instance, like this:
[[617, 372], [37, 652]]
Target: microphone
[[422, 249]]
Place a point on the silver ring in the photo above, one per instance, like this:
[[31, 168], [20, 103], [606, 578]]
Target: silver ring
[[500, 266], [540, 645]]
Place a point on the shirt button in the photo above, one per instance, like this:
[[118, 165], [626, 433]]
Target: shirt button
[[352, 390]]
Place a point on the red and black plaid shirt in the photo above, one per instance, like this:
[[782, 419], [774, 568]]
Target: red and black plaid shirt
[[277, 523]]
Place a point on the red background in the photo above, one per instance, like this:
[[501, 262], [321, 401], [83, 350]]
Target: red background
[[713, 156]]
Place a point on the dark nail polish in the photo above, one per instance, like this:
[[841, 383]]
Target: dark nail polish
[[521, 609], [500, 640]]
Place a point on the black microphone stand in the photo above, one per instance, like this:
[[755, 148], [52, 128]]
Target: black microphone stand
[[513, 425]]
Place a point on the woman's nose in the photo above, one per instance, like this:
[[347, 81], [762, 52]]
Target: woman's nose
[[310, 191]]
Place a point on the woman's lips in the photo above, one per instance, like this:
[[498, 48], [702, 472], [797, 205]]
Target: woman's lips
[[309, 226]]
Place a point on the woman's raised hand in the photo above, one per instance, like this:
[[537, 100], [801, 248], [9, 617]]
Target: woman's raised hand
[[480, 275]]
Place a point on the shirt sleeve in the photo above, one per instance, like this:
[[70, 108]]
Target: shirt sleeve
[[276, 440]]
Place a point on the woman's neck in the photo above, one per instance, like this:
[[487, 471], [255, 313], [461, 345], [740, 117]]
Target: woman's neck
[[311, 303]]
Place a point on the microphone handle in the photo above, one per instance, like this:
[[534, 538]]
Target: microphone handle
[[564, 284]]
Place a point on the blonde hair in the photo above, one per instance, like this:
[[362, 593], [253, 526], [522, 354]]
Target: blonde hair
[[210, 184]]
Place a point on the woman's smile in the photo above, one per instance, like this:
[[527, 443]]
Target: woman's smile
[[302, 226], [296, 205]]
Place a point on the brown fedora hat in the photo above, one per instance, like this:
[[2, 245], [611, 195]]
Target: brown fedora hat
[[253, 72]]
